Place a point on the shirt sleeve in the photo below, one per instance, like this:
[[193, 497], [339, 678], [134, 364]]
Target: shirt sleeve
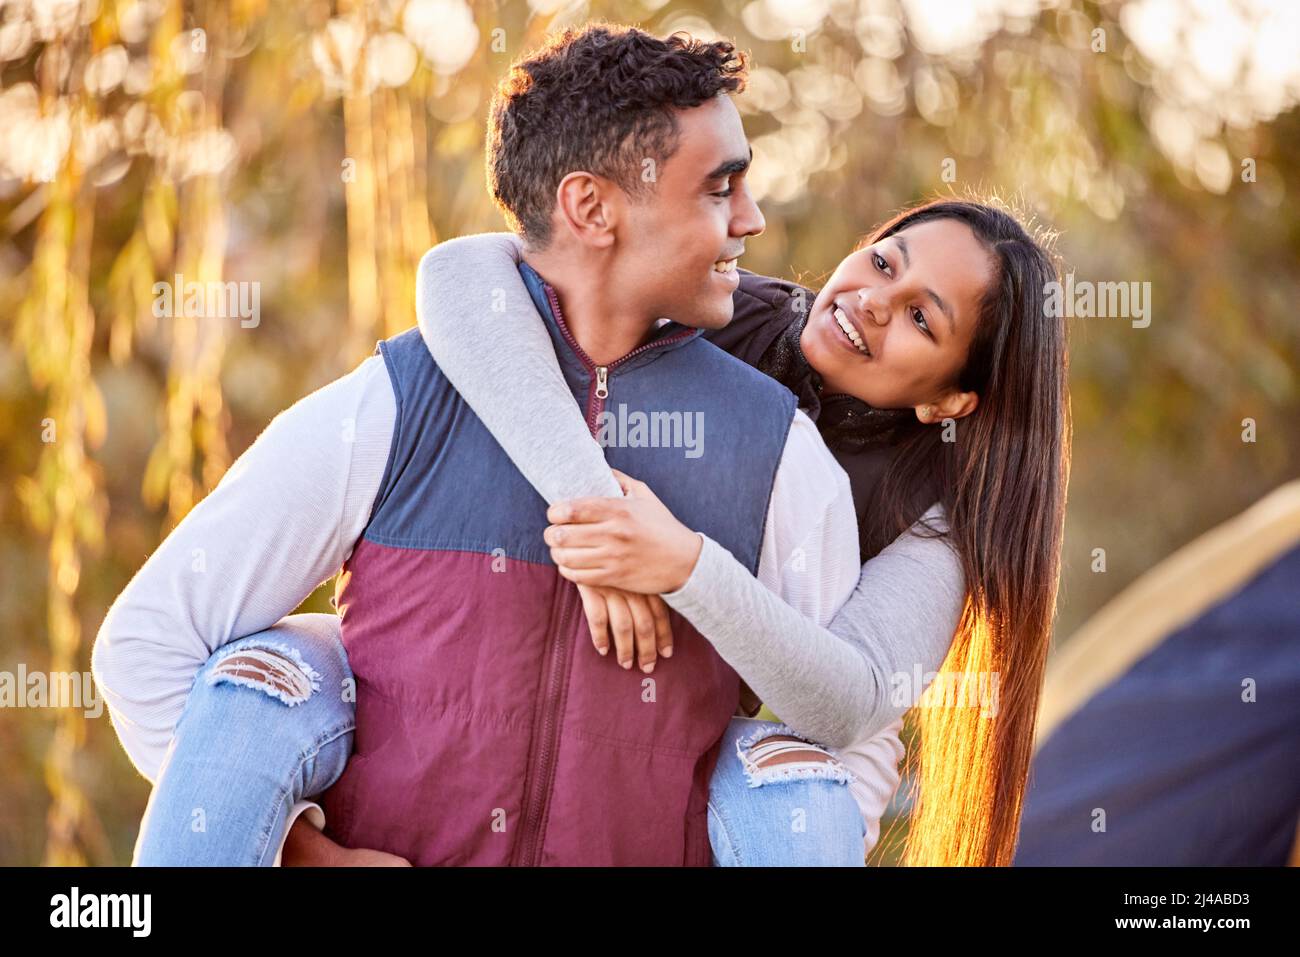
[[486, 334], [282, 520], [845, 682]]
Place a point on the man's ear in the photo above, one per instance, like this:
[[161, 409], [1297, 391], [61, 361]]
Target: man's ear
[[586, 204], [952, 405]]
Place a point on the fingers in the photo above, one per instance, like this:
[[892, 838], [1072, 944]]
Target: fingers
[[587, 559], [580, 547], [593, 606], [582, 576], [583, 510], [639, 625], [643, 624], [621, 624], [663, 628], [585, 535]]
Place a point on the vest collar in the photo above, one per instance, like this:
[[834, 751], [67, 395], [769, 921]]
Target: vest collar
[[667, 336]]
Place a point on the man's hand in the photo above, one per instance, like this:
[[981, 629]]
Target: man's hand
[[639, 624], [307, 846]]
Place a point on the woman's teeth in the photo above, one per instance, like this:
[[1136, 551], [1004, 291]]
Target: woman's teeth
[[843, 322], [725, 265]]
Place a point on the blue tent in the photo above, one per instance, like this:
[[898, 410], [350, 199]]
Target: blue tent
[[1169, 732]]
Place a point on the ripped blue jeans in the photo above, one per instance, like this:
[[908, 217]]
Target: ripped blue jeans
[[270, 718], [795, 814]]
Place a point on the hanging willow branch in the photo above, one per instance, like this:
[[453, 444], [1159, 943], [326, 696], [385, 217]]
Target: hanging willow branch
[[55, 331], [113, 119]]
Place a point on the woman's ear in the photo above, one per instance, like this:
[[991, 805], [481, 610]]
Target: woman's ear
[[953, 405]]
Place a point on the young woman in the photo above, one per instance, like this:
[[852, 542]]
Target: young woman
[[934, 325]]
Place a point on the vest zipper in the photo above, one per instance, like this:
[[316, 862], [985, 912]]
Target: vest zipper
[[598, 391], [554, 686], [555, 679]]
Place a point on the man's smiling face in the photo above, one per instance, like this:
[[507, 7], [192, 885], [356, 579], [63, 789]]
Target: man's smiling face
[[678, 243]]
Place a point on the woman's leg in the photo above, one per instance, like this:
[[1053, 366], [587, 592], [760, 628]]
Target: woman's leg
[[774, 804], [268, 722]]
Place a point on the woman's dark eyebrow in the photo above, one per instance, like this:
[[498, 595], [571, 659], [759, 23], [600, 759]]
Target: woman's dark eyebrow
[[729, 168], [938, 300]]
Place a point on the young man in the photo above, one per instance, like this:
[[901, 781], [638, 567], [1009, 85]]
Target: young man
[[486, 731]]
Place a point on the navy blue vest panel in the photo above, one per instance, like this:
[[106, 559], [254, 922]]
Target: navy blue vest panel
[[449, 484], [704, 430]]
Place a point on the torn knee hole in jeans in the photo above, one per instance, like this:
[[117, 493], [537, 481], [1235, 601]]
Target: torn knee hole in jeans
[[779, 754], [276, 669]]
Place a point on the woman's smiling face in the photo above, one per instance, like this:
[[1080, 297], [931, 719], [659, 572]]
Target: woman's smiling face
[[910, 304]]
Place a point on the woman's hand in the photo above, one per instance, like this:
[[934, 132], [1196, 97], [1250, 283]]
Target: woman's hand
[[633, 543], [639, 624]]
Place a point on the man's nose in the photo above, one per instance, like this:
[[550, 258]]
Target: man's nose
[[748, 219]]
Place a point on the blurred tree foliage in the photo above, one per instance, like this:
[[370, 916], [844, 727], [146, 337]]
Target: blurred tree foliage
[[318, 149]]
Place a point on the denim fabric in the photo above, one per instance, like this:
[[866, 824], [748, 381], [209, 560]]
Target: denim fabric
[[240, 757], [783, 815]]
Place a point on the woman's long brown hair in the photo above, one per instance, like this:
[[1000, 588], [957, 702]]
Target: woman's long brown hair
[[1002, 483]]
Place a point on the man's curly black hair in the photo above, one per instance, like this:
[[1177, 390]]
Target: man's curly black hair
[[599, 99]]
